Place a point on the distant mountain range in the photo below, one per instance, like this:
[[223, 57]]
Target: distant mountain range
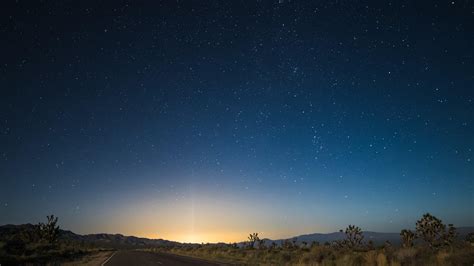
[[376, 237], [8, 232]]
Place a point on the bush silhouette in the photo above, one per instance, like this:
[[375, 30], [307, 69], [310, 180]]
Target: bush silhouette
[[407, 238], [49, 232], [253, 238], [433, 231], [353, 239]]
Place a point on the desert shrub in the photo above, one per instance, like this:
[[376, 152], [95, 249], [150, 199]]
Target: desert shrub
[[352, 253], [353, 238], [407, 238], [433, 231], [49, 232], [15, 247]]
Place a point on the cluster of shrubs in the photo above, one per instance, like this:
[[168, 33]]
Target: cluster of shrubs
[[432, 231], [38, 244], [429, 229], [43, 236], [431, 243]]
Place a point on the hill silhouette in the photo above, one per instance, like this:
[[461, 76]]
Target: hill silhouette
[[9, 231]]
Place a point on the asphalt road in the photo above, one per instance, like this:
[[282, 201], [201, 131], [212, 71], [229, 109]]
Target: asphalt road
[[142, 258]]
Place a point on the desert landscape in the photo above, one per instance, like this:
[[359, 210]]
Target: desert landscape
[[240, 132], [431, 243]]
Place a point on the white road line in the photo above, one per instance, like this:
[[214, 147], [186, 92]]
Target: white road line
[[159, 262], [108, 259]]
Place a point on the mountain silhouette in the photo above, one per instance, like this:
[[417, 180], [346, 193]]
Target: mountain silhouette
[[8, 232]]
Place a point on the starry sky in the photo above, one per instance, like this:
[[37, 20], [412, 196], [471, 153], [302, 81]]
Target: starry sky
[[207, 120]]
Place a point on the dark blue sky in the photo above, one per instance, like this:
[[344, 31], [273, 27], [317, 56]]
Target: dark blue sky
[[206, 120]]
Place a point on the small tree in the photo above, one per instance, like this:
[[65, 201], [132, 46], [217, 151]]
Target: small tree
[[354, 236], [49, 232], [407, 238], [433, 231], [253, 238]]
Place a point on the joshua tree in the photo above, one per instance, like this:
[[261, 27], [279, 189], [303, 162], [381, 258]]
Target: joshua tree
[[49, 232], [433, 231], [261, 244], [354, 236], [407, 238], [253, 238]]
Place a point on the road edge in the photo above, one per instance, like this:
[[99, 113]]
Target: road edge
[[107, 260]]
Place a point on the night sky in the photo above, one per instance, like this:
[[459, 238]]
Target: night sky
[[208, 120]]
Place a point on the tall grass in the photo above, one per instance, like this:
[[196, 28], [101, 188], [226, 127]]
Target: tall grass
[[459, 254]]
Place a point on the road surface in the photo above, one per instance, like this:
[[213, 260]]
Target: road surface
[[143, 258]]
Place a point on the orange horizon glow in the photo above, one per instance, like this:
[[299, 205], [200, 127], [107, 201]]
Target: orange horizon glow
[[200, 220], [208, 237], [203, 237]]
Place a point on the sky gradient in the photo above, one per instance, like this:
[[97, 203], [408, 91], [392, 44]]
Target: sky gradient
[[206, 121]]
